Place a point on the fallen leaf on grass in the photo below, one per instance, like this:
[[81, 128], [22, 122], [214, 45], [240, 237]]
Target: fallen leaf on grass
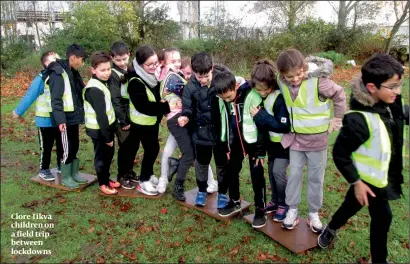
[[91, 229], [362, 260], [181, 259], [198, 259], [164, 211], [62, 200], [233, 252], [261, 256], [100, 260]]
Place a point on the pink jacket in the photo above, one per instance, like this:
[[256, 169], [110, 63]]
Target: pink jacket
[[317, 142]]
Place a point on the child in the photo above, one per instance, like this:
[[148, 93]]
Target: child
[[120, 99], [308, 103], [47, 133], [275, 118], [66, 85], [368, 151], [146, 111], [100, 119], [200, 108], [171, 90], [239, 132]]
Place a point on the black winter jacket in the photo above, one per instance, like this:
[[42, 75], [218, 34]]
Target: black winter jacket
[[355, 133], [200, 105], [257, 149], [278, 123], [56, 83], [139, 98], [95, 97], [121, 104]]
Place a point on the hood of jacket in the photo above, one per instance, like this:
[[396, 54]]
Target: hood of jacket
[[319, 67]]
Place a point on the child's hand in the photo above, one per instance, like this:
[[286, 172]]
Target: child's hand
[[259, 161], [335, 124], [15, 115], [182, 121], [62, 127], [254, 110], [126, 127], [228, 155], [361, 190], [110, 144]]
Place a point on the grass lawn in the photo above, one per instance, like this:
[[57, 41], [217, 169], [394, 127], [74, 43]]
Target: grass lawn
[[93, 228]]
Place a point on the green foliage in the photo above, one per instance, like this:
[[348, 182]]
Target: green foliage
[[15, 52], [336, 58]]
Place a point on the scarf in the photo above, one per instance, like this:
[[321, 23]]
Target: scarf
[[148, 78]]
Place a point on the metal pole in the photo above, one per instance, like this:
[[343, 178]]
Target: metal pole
[[199, 19]]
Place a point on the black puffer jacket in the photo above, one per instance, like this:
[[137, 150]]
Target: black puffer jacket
[[200, 105], [56, 83], [355, 133]]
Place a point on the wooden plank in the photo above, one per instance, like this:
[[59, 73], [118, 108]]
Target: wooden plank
[[297, 240], [210, 207], [91, 179]]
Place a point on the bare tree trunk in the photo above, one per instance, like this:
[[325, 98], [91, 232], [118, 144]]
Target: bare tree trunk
[[50, 17], [142, 19], [35, 21], [396, 26], [342, 15], [355, 17]]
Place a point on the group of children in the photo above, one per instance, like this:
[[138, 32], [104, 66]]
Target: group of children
[[283, 110]]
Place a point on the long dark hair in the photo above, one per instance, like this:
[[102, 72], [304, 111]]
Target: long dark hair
[[143, 53]]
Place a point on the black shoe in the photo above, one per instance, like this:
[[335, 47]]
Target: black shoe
[[173, 164], [126, 183], [259, 220], [179, 192], [133, 176], [231, 208], [326, 237]]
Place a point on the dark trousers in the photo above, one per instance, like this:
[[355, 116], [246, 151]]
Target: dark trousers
[[233, 168], [103, 155], [277, 177], [381, 217], [121, 136], [203, 155], [46, 138], [148, 137], [183, 138], [70, 143]]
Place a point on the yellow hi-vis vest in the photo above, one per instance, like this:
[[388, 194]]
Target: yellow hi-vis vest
[[308, 114], [249, 129], [89, 112], [373, 157], [269, 102], [43, 103], [124, 86], [140, 118]]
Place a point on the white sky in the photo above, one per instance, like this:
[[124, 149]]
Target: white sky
[[322, 9]]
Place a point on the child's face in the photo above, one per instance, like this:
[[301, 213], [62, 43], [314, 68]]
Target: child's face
[[388, 90], [262, 89], [151, 64], [50, 59], [121, 61], [76, 62], [173, 58], [228, 96], [295, 76], [204, 79], [187, 71], [102, 71]]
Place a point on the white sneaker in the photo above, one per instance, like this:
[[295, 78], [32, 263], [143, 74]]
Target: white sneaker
[[162, 184], [154, 180], [147, 188], [212, 187], [291, 220], [314, 222]]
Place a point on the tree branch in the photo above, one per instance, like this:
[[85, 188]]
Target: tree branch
[[353, 4], [334, 8]]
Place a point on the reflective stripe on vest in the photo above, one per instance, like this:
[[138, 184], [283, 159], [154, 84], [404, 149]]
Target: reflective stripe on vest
[[140, 118], [43, 104], [124, 86], [269, 102], [373, 157], [405, 139], [308, 115], [224, 120], [250, 132], [89, 112]]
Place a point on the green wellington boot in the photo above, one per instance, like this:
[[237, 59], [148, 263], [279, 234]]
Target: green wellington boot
[[75, 174], [67, 177]]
